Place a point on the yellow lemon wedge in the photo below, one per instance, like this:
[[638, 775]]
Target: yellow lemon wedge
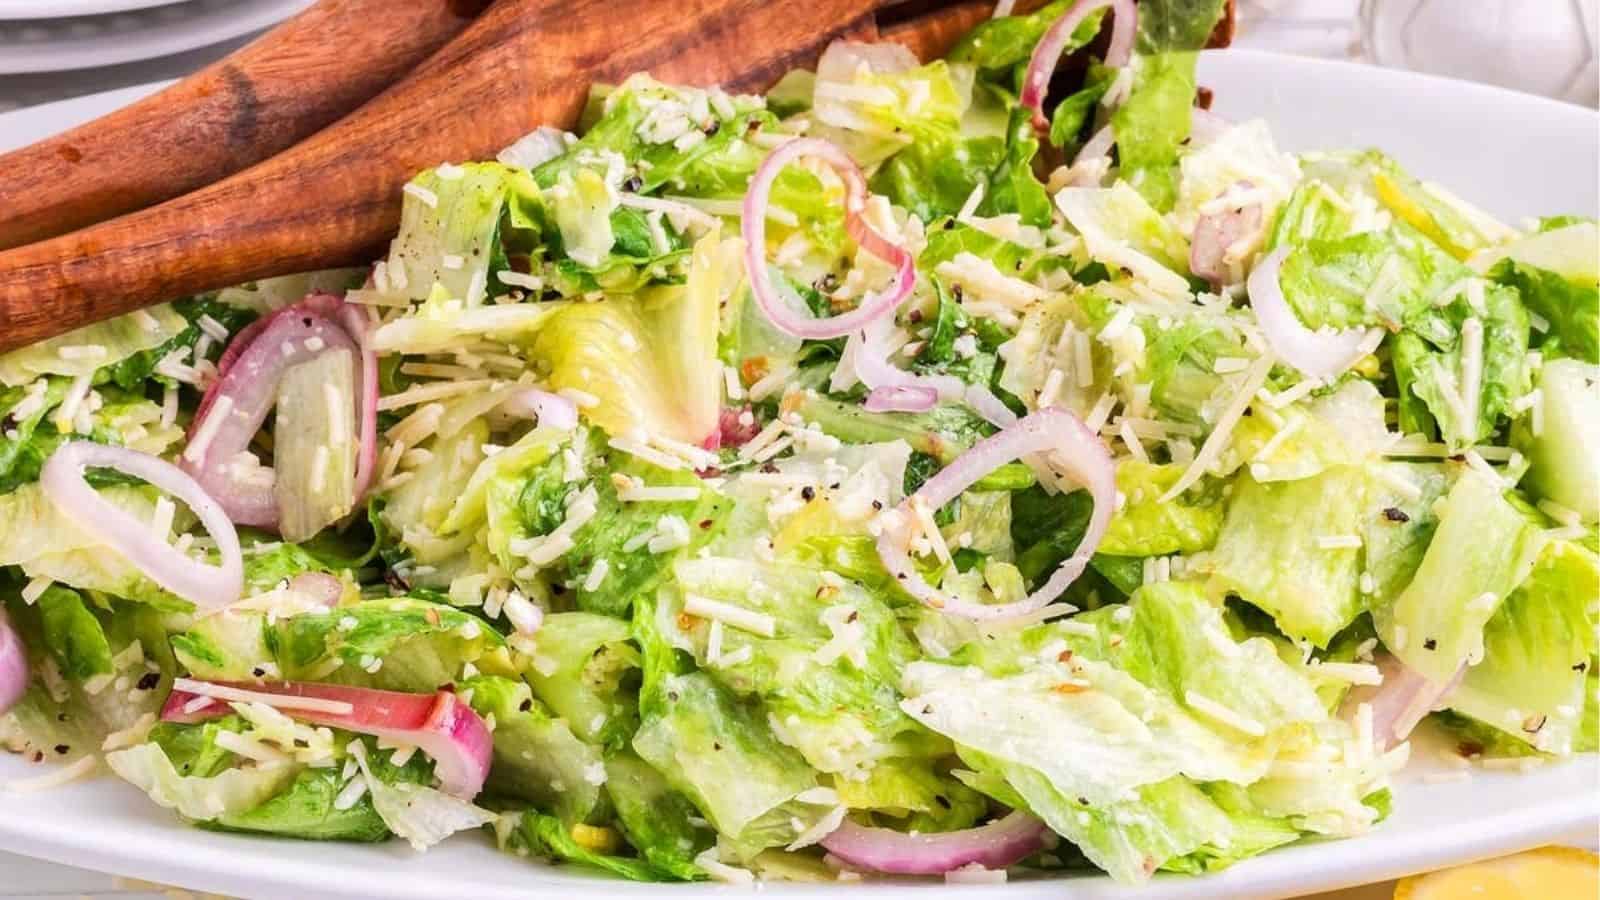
[[1548, 873]]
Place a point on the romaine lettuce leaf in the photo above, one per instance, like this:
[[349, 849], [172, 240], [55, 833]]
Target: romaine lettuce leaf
[[117, 339], [650, 360], [1269, 552], [1570, 310], [826, 675], [1483, 548], [1564, 451], [1530, 683], [536, 756]]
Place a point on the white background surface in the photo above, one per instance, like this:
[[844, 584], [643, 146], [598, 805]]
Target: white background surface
[[1323, 28]]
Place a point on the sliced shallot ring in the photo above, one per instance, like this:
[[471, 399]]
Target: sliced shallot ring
[[1318, 354], [1001, 843], [204, 585], [440, 724], [1046, 53], [293, 334], [1058, 437], [901, 398], [754, 228]]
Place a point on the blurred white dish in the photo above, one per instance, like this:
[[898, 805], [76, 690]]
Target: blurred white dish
[[82, 42], [56, 9]]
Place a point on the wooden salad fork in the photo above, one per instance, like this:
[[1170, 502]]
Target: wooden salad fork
[[334, 198], [293, 81]]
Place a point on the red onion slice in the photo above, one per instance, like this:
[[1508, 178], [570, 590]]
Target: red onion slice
[[991, 408], [1318, 354], [441, 724], [324, 588], [901, 398], [874, 305], [1401, 702], [1214, 233], [549, 409], [206, 586], [1060, 438], [1004, 842], [1046, 53], [1097, 146], [13, 665], [250, 385]]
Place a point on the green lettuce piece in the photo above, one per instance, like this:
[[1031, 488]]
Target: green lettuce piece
[[1168, 25], [1564, 454], [35, 536], [1565, 247], [132, 372], [655, 151], [471, 508], [1147, 804], [1005, 42], [401, 644], [712, 747], [1530, 683], [1437, 377], [583, 661], [932, 179], [230, 792], [415, 512], [1152, 124], [1118, 215], [536, 756], [942, 432], [121, 337], [1076, 111], [31, 431], [307, 809], [1169, 651], [1400, 523], [654, 817], [913, 796], [1483, 548], [75, 637], [28, 440], [80, 647], [533, 833], [619, 533], [839, 713], [1571, 309], [1268, 551], [582, 202], [458, 216], [1388, 277], [442, 323], [650, 360], [315, 458], [1342, 427], [1146, 526]]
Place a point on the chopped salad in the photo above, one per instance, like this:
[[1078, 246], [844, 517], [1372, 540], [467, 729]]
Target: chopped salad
[[936, 469]]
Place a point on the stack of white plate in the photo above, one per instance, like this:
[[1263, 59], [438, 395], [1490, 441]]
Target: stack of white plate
[[64, 35]]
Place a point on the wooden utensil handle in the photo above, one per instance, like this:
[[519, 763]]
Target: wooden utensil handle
[[290, 83], [334, 199]]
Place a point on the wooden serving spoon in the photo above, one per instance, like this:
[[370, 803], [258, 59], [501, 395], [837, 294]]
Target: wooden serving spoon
[[292, 82], [334, 198]]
